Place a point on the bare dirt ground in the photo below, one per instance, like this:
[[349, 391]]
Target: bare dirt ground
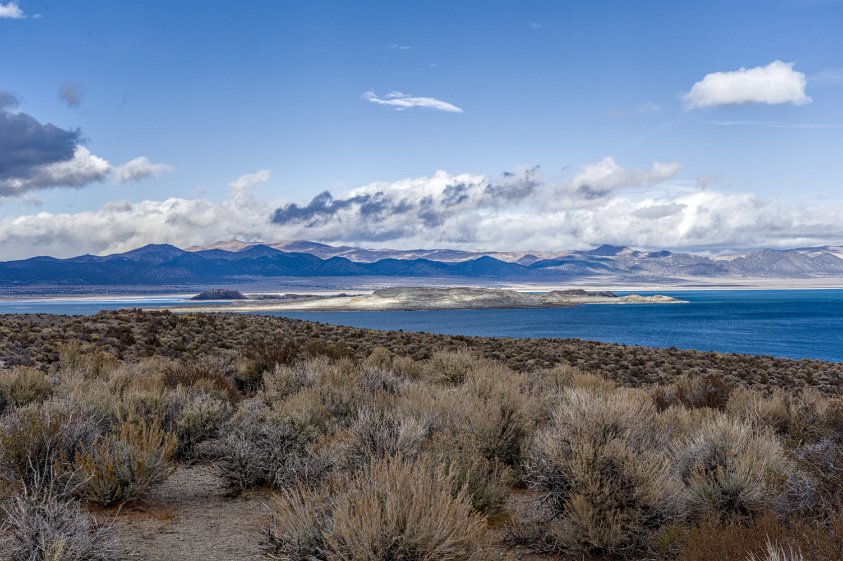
[[190, 518]]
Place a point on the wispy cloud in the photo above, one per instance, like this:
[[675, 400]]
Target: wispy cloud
[[775, 124], [401, 101], [648, 108], [536, 25], [11, 10], [826, 78], [774, 84], [397, 47]]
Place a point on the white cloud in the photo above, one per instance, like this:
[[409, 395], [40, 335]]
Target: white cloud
[[11, 10], [516, 211], [245, 182], [403, 101], [774, 84], [595, 182], [138, 169], [81, 170]]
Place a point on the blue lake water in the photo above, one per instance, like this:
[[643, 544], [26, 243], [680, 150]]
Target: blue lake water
[[787, 323]]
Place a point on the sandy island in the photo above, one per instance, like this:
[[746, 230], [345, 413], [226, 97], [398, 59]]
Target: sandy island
[[426, 298]]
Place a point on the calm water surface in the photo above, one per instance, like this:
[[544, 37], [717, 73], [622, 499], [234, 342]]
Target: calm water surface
[[788, 323]]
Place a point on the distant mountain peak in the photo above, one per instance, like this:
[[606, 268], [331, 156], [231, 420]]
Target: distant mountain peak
[[607, 250]]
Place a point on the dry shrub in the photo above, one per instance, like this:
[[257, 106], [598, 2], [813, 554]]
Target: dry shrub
[[285, 380], [123, 467], [375, 379], [592, 382], [44, 526], [796, 416], [485, 481], [258, 447], [717, 540], [449, 367], [87, 361], [777, 552], [823, 462], [732, 469], [23, 385], [406, 367], [214, 374], [380, 357], [379, 431], [331, 402], [146, 400], [607, 481], [300, 518], [38, 443], [393, 509], [708, 390], [260, 356], [199, 419], [501, 415]]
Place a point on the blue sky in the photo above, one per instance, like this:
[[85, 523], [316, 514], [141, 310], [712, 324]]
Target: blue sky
[[209, 92]]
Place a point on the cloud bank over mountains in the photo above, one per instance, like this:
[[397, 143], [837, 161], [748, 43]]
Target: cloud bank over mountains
[[603, 202], [38, 156]]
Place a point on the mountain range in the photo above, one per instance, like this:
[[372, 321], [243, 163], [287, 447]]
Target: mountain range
[[237, 262]]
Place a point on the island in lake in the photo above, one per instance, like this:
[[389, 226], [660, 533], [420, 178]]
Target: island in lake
[[427, 298]]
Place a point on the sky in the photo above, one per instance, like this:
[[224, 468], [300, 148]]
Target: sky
[[697, 126]]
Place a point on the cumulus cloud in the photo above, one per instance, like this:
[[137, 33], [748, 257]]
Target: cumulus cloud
[[607, 175], [26, 144], [72, 93], [522, 210], [11, 10], [38, 156], [384, 211], [138, 169], [401, 101], [774, 84]]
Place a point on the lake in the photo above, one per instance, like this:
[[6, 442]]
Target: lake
[[786, 323]]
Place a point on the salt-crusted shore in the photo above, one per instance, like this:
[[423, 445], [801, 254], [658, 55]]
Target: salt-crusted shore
[[426, 298]]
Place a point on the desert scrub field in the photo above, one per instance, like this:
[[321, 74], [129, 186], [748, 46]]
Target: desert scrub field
[[368, 453], [35, 340]]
